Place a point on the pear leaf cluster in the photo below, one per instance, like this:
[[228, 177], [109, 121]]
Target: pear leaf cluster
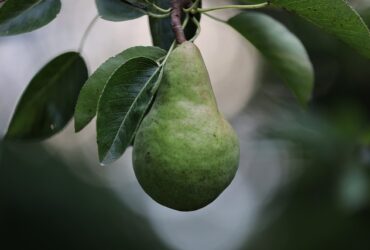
[[123, 103], [281, 48], [86, 107]]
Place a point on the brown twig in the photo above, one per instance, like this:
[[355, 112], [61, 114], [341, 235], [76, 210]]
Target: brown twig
[[177, 6]]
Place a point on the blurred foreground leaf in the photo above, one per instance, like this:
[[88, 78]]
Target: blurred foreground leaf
[[45, 205]]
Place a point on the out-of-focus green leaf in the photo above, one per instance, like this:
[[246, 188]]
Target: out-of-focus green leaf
[[161, 29], [323, 201], [122, 106], [41, 196], [90, 93], [48, 102], [117, 10], [335, 17], [281, 48], [20, 16]]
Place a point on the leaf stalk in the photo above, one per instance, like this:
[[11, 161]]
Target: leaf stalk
[[195, 10]]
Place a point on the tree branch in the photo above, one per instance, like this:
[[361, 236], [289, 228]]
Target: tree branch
[[177, 6]]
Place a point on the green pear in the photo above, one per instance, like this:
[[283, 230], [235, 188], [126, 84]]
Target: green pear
[[185, 152]]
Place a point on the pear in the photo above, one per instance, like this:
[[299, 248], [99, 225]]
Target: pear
[[185, 152]]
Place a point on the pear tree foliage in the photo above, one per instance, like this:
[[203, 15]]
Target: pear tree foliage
[[282, 49]]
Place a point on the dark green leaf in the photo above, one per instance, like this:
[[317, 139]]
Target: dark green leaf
[[88, 100], [123, 104], [161, 29], [138, 3], [117, 10], [20, 16], [281, 48], [48, 102], [335, 17]]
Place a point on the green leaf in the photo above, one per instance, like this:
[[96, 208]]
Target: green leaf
[[20, 16], [161, 29], [138, 3], [88, 100], [117, 10], [48, 102], [281, 48], [335, 17], [123, 104]]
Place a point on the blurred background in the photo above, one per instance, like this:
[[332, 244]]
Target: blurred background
[[304, 176]]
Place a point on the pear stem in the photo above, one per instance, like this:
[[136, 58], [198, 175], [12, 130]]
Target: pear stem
[[177, 6]]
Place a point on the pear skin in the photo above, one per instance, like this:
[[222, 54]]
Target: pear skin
[[185, 152]]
